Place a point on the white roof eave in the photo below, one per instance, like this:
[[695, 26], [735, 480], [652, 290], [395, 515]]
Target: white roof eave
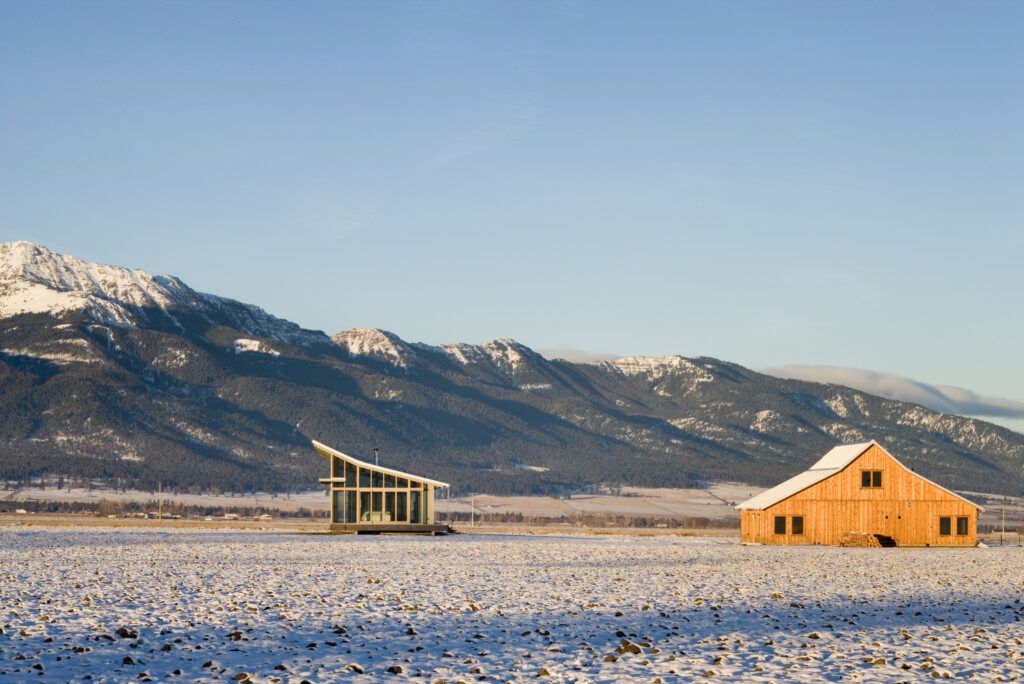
[[784, 490], [327, 452]]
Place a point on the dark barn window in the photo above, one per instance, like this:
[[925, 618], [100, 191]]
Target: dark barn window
[[780, 524], [961, 526], [871, 479], [944, 526], [798, 524]]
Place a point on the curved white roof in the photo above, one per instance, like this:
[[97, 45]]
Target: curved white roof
[[828, 465], [327, 452]]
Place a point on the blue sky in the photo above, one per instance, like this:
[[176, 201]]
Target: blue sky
[[769, 183]]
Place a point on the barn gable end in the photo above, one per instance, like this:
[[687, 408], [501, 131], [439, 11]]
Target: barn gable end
[[859, 489]]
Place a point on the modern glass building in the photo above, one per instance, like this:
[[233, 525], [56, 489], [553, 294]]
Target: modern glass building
[[368, 498]]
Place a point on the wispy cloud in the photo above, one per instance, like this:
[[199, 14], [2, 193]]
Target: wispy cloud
[[576, 355], [944, 398], [332, 219], [507, 116]]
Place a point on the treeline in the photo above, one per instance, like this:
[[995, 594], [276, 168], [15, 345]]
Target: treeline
[[595, 520], [106, 507]]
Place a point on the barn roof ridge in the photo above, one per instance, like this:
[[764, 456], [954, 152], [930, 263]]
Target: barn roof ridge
[[842, 455], [834, 461]]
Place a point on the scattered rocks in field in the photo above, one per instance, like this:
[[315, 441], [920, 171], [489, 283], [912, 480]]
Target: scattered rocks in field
[[628, 647], [215, 606]]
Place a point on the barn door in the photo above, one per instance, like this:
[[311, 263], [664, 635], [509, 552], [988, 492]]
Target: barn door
[[904, 532], [888, 523]]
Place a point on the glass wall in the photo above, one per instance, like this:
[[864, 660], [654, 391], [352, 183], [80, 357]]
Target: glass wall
[[343, 509], [338, 507], [402, 506], [365, 495], [415, 507], [350, 507], [365, 514]]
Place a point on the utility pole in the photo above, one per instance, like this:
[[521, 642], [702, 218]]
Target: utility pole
[[1003, 532], [472, 510]]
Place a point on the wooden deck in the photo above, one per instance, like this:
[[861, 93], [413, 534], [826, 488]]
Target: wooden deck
[[390, 528]]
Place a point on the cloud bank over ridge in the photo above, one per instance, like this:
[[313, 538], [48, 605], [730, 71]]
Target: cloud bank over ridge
[[944, 398]]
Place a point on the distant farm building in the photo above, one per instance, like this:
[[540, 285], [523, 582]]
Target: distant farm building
[[368, 498], [859, 494]]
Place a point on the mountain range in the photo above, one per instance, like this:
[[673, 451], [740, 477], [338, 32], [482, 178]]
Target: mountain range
[[115, 374]]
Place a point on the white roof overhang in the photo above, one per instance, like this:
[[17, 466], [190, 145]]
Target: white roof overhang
[[328, 452]]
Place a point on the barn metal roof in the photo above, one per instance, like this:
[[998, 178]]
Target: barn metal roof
[[828, 465], [327, 452], [843, 455]]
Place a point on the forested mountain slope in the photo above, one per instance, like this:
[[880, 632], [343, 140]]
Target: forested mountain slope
[[117, 374]]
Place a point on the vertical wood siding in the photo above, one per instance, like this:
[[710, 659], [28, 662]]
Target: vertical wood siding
[[906, 507]]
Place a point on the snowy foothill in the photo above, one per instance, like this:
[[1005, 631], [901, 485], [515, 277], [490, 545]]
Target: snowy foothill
[[144, 604]]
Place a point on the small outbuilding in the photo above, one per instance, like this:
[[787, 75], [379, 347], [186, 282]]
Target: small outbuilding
[[859, 494], [368, 498]]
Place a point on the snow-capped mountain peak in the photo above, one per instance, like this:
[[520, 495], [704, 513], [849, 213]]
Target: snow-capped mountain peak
[[382, 345], [376, 344], [656, 367], [507, 352], [504, 353], [34, 279]]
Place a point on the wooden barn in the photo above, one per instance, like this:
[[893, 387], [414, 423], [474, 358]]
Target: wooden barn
[[368, 498], [858, 494]]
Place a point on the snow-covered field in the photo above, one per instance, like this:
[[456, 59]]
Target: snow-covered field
[[130, 604]]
